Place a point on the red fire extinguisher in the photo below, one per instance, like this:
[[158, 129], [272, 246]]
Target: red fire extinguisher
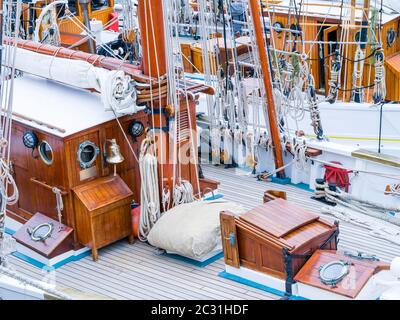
[[135, 218]]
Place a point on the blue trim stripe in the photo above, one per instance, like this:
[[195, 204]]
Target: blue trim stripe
[[9, 231], [41, 265], [217, 196], [303, 186], [256, 285], [196, 263]]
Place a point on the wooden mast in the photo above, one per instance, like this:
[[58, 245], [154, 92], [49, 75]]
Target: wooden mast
[[151, 25], [273, 124]]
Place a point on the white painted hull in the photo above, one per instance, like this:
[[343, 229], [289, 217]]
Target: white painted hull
[[12, 289]]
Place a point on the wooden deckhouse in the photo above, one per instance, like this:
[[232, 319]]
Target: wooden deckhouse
[[59, 136]]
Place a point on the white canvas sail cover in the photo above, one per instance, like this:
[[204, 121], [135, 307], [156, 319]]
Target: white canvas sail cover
[[80, 74]]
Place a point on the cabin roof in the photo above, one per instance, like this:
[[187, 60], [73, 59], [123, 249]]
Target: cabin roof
[[56, 105], [328, 9]]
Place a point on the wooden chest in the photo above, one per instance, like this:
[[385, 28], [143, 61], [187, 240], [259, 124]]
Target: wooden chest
[[103, 214], [276, 238]]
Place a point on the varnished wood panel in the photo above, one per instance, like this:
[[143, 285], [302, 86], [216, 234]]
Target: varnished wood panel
[[262, 239], [103, 214], [360, 272]]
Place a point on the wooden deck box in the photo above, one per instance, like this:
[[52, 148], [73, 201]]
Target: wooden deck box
[[275, 238], [45, 236], [103, 212]]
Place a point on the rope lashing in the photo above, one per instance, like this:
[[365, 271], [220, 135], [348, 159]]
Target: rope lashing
[[379, 81], [314, 110], [334, 79], [60, 203], [182, 193], [149, 194], [358, 92]]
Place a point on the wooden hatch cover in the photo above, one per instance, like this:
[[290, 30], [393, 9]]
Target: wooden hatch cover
[[278, 217], [360, 271]]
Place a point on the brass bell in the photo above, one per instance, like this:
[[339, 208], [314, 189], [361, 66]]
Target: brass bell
[[112, 154]]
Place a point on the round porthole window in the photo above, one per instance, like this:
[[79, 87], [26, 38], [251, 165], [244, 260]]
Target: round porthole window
[[390, 37], [46, 152], [296, 30], [278, 27], [87, 154], [333, 272]]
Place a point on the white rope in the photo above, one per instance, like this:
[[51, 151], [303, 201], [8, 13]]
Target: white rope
[[375, 229], [358, 74], [60, 203], [149, 193], [182, 193]]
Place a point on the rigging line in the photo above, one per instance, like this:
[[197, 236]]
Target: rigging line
[[266, 40], [159, 90], [7, 128], [227, 71]]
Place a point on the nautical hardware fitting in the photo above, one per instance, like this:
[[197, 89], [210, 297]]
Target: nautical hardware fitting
[[87, 154], [277, 26], [333, 272], [136, 129], [37, 233], [113, 154], [334, 79], [379, 81], [30, 140], [361, 256], [46, 152]]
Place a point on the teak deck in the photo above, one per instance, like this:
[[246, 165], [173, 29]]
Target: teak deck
[[136, 272]]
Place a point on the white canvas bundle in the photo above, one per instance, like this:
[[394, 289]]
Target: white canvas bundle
[[191, 229]]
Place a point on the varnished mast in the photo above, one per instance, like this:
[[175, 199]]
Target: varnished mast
[[150, 19], [273, 124]]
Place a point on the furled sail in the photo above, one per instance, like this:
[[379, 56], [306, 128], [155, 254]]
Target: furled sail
[[116, 89]]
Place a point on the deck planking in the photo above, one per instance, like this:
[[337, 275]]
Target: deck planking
[[135, 271]]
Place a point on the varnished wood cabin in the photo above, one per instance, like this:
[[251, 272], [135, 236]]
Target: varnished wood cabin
[[70, 125], [321, 21]]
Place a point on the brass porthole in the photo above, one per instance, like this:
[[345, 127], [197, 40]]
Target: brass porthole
[[46, 152]]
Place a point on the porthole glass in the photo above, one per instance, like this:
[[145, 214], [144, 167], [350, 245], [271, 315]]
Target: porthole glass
[[333, 272], [390, 37], [278, 27], [296, 30], [357, 36], [46, 152], [87, 154]]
